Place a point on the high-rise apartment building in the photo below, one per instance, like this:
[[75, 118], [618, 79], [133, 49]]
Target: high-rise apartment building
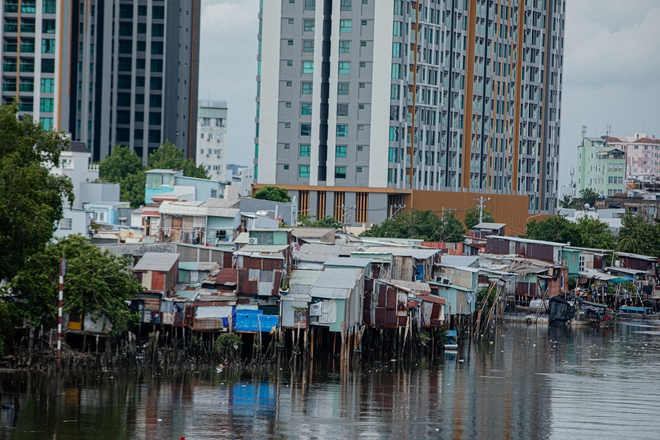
[[211, 137], [107, 71], [601, 167], [371, 104]]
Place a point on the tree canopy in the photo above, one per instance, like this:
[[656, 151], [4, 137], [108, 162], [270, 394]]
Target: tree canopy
[[96, 283], [123, 166], [586, 232], [326, 222], [425, 225], [639, 237], [472, 217], [32, 197], [273, 193]]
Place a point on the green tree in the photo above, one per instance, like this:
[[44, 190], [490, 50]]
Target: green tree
[[119, 165], [31, 197], [472, 217], [273, 193], [638, 236], [555, 228], [588, 195], [326, 222], [566, 201], [132, 188], [169, 156], [452, 229], [594, 233], [424, 225], [96, 283]]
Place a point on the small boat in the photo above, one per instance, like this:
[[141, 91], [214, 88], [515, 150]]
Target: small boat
[[451, 341]]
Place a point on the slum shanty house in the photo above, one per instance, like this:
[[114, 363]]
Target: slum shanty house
[[159, 274], [484, 229], [91, 323], [534, 278], [295, 304], [522, 247], [314, 235], [208, 223], [581, 261], [646, 270], [269, 236], [460, 300], [449, 248], [194, 272], [400, 263], [314, 256], [337, 299], [263, 271], [391, 303]]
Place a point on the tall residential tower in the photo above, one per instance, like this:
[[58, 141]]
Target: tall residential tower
[[367, 104], [107, 71]]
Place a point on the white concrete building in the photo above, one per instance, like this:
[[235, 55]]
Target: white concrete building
[[211, 135], [642, 155]]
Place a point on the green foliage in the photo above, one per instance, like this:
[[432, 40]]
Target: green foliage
[[572, 283], [567, 201], [273, 193], [557, 229], [639, 237], [169, 156], [119, 164], [588, 195], [31, 196], [228, 345], [587, 232], [472, 217], [123, 166], [326, 222], [95, 283], [424, 225]]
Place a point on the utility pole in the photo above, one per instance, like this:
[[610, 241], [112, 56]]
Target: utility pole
[[59, 314], [394, 209], [347, 211], [481, 201]]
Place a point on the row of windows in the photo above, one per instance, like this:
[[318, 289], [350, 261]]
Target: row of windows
[[124, 117], [305, 150], [30, 6], [306, 88], [27, 65], [345, 5], [124, 135], [27, 85], [340, 172]]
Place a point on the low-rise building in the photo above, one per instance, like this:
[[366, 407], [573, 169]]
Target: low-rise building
[[642, 155], [601, 167], [176, 186]]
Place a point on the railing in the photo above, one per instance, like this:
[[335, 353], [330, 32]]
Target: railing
[[211, 103]]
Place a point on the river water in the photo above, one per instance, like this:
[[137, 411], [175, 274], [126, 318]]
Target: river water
[[530, 383]]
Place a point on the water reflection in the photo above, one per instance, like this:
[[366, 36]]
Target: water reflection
[[531, 382]]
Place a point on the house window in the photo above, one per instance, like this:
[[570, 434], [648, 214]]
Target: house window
[[342, 130], [308, 46], [340, 150], [345, 46], [345, 25], [308, 67], [340, 172], [307, 88], [342, 88], [308, 25], [305, 150], [306, 109], [305, 129], [303, 171], [346, 5], [344, 68], [98, 216], [65, 224]]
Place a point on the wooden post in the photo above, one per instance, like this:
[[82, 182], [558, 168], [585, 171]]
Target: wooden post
[[305, 340]]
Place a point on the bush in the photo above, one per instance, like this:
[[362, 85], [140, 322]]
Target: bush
[[227, 344]]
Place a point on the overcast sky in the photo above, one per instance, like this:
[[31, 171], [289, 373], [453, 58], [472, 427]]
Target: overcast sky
[[611, 70]]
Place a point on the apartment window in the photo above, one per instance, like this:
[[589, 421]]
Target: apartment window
[[47, 85], [303, 171], [154, 118], [287, 125], [290, 20], [26, 85], [47, 45], [48, 26], [396, 50], [342, 88], [124, 64], [345, 25], [342, 109], [158, 12], [308, 25], [346, 5], [49, 6], [340, 172], [155, 101], [156, 83], [156, 47], [307, 88], [154, 136], [288, 83], [342, 130], [157, 30], [289, 42], [286, 167], [305, 150], [364, 22], [287, 146], [125, 46], [65, 224], [142, 28], [308, 67], [310, 5], [396, 70], [340, 150], [306, 109], [47, 65], [363, 43], [305, 129], [360, 148], [308, 46], [46, 123], [344, 67], [124, 81], [358, 169], [287, 105], [156, 66], [363, 85], [29, 6]]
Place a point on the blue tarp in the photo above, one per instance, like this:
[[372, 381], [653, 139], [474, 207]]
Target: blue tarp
[[255, 321]]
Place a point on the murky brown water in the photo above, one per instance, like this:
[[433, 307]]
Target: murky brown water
[[531, 382]]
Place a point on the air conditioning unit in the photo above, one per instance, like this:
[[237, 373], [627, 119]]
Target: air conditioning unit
[[218, 156], [252, 240], [207, 155], [208, 139]]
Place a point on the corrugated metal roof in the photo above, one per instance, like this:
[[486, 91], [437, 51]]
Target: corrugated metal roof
[[459, 260], [252, 249], [320, 253], [307, 277], [198, 209], [421, 254], [489, 225], [527, 240], [637, 256], [157, 261], [336, 283], [311, 232], [348, 262], [206, 266], [243, 238], [626, 270], [413, 286]]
